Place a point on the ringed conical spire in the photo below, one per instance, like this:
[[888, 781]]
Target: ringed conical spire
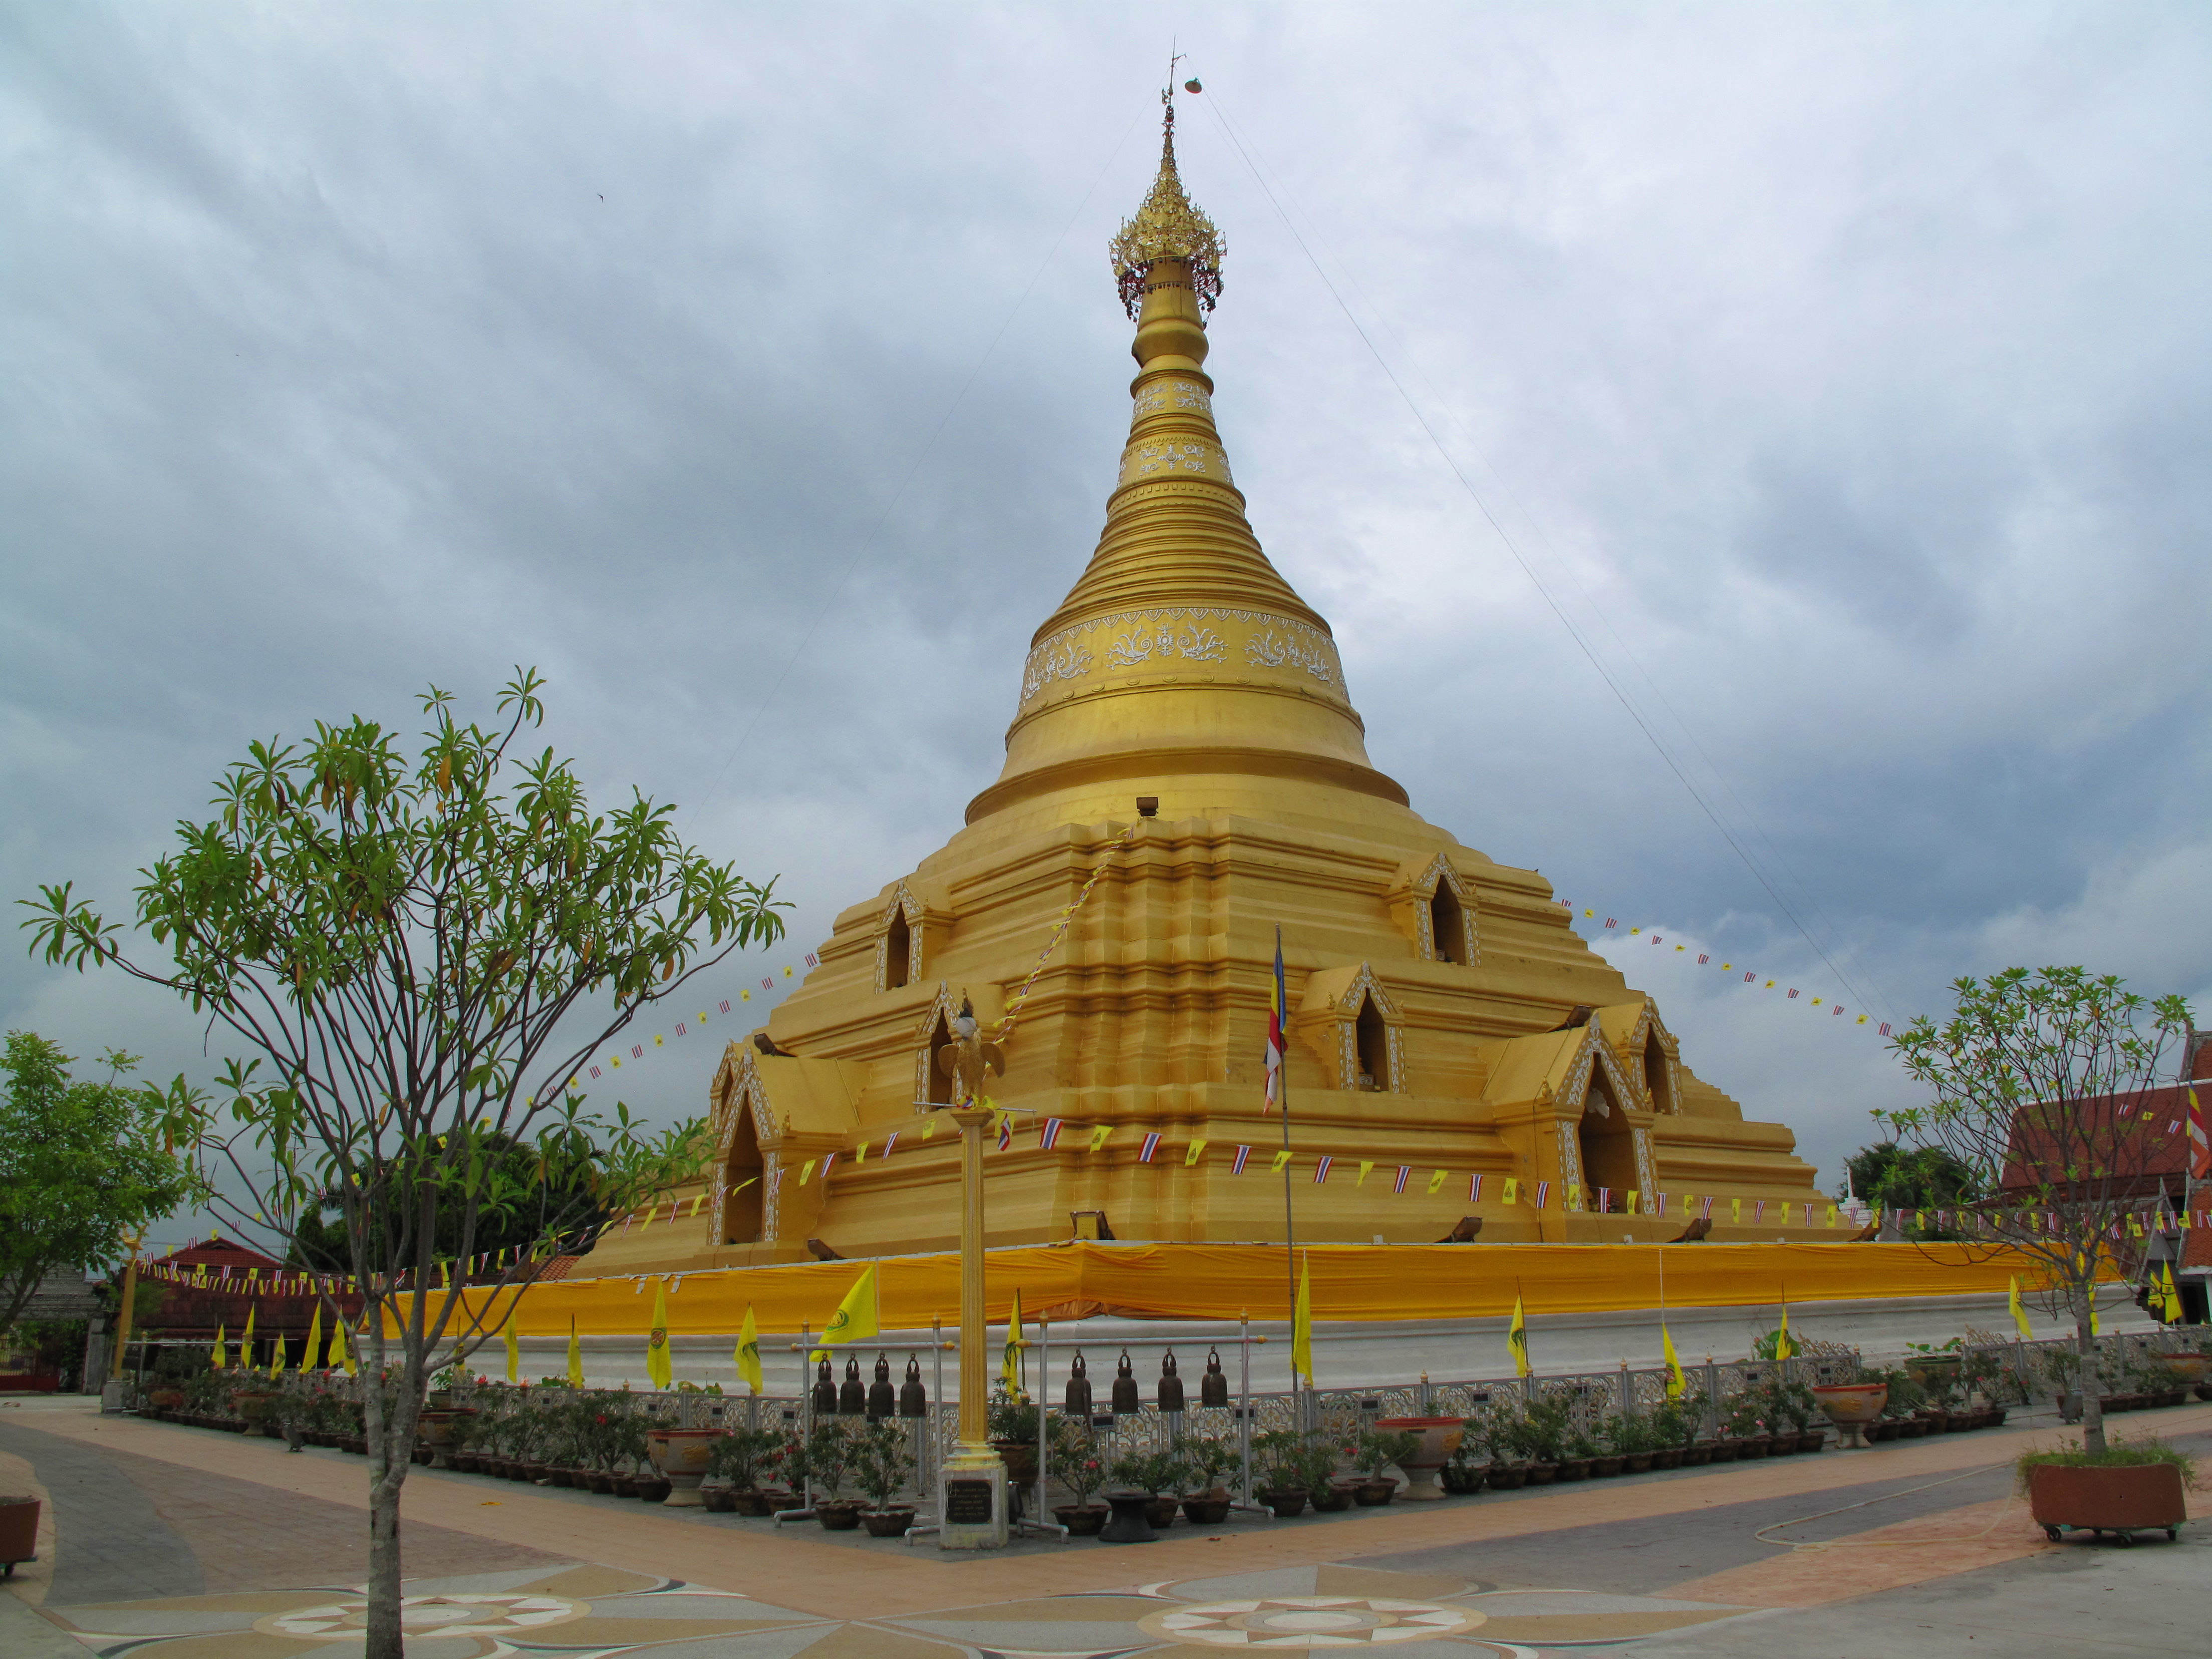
[[1180, 654]]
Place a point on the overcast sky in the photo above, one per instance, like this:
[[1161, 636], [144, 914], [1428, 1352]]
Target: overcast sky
[[755, 372]]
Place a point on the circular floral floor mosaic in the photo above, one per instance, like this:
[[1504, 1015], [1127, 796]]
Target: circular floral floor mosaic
[[492, 1616], [1296, 1622]]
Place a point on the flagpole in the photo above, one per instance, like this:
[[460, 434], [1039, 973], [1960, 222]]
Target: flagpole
[[1283, 1086]]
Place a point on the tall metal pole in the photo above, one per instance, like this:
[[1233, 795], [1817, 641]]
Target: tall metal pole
[[1279, 999], [122, 1319], [971, 1484]]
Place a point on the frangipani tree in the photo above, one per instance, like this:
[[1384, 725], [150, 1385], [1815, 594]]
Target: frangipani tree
[[417, 956], [2041, 1086]]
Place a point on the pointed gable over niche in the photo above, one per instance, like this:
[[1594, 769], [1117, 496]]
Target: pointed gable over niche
[[1433, 904], [1356, 1026]]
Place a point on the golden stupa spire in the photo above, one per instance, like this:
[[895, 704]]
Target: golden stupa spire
[[1180, 660], [1167, 226]]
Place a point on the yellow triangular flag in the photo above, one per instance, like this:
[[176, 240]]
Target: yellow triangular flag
[[1517, 1337], [313, 1361], [855, 1318], [575, 1356], [1736, 1209], [1365, 1165], [806, 1174], [1197, 1150], [1675, 1385], [1301, 1325], [1784, 1347], [1629, 1207], [1281, 1159], [1010, 1363], [747, 1354], [1098, 1137], [656, 1339], [2019, 1313], [343, 1337], [514, 1349], [277, 1355], [217, 1357], [246, 1341]]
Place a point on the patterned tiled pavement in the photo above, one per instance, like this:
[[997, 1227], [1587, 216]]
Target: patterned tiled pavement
[[177, 1544]]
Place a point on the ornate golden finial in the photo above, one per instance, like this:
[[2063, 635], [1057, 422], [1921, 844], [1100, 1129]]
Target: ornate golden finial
[[1167, 226]]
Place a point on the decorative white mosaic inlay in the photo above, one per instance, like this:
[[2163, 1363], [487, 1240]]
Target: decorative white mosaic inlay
[[489, 1616], [1304, 1623]]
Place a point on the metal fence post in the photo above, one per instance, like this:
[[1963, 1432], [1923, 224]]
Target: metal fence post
[[1712, 1400]]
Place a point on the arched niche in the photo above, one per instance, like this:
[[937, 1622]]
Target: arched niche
[[1658, 1074], [899, 941], [1606, 1140], [1371, 1046], [745, 1184]]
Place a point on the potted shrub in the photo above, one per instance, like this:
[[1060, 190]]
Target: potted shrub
[[1576, 1455], [1076, 1461], [1538, 1436], [1201, 1461], [1013, 1431], [883, 1466], [1462, 1475], [2132, 1485], [1154, 1473], [743, 1457], [1376, 1451], [818, 1462], [1281, 1453]]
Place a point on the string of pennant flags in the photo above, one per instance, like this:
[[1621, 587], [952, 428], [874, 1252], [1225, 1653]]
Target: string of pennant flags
[[1751, 977], [614, 1058]]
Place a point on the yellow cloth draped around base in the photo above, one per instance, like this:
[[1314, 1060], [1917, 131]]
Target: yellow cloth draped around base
[[1353, 1282]]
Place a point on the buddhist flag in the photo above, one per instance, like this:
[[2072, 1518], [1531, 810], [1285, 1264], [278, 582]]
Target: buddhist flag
[[1278, 1019], [575, 1356], [1517, 1337], [1302, 1325], [656, 1339], [1512, 1193], [1675, 1385], [855, 1318], [217, 1357], [748, 1353], [1010, 1361], [343, 1337], [2019, 1313], [312, 1360], [2170, 1294]]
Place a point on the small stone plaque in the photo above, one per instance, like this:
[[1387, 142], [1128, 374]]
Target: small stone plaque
[[968, 1503]]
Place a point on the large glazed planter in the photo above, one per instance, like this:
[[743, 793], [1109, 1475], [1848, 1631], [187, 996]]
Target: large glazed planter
[[437, 1429], [1851, 1405], [2108, 1499], [1439, 1438], [684, 1456]]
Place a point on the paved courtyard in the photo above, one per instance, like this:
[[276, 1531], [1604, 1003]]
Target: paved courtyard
[[178, 1543]]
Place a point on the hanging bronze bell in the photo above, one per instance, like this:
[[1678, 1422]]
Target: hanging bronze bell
[[1078, 1389], [853, 1398], [882, 1400], [913, 1399], [1214, 1387], [825, 1390], [1170, 1385], [1125, 1402]]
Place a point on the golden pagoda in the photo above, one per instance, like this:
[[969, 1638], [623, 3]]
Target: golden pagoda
[[1183, 720]]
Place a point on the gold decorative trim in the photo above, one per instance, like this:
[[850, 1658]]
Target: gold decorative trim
[[1268, 640]]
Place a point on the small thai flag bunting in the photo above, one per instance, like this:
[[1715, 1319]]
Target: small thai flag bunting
[[811, 961], [1605, 1200], [1610, 922], [1703, 958], [1759, 1213], [827, 1164], [1404, 1174], [1151, 1145], [1006, 1134], [1474, 1189], [1543, 1194], [1322, 1168], [1708, 1212], [767, 984], [725, 1004], [679, 1028], [595, 1071], [892, 1142], [1238, 1167], [1883, 1028], [637, 1051], [1048, 1137]]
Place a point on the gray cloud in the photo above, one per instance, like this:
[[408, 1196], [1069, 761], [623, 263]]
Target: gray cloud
[[1842, 370]]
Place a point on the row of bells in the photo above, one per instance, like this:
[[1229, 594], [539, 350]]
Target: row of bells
[[876, 1400]]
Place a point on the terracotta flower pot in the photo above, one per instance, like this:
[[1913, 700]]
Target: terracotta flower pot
[[1574, 1468], [1719, 1451], [1507, 1477], [1286, 1502], [888, 1523], [1543, 1475], [754, 1503], [2113, 1499], [1697, 1455], [837, 1514], [1638, 1462], [1207, 1511], [1160, 1513], [1604, 1468], [1084, 1520], [1668, 1457], [1374, 1494]]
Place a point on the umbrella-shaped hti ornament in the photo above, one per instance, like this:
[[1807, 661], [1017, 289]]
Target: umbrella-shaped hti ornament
[[1295, 1622]]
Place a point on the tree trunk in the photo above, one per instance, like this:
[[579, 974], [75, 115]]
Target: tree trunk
[[2085, 1379], [391, 1454]]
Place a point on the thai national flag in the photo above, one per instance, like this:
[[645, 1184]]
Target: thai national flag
[[1048, 1137], [826, 1164], [1474, 1189], [892, 1142], [1278, 1020], [1709, 1209], [1005, 1132], [1321, 1169], [1543, 1194], [1404, 1171], [1759, 1212], [1237, 1168], [2200, 1147], [811, 961], [725, 1004], [1151, 1145], [1605, 1200]]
